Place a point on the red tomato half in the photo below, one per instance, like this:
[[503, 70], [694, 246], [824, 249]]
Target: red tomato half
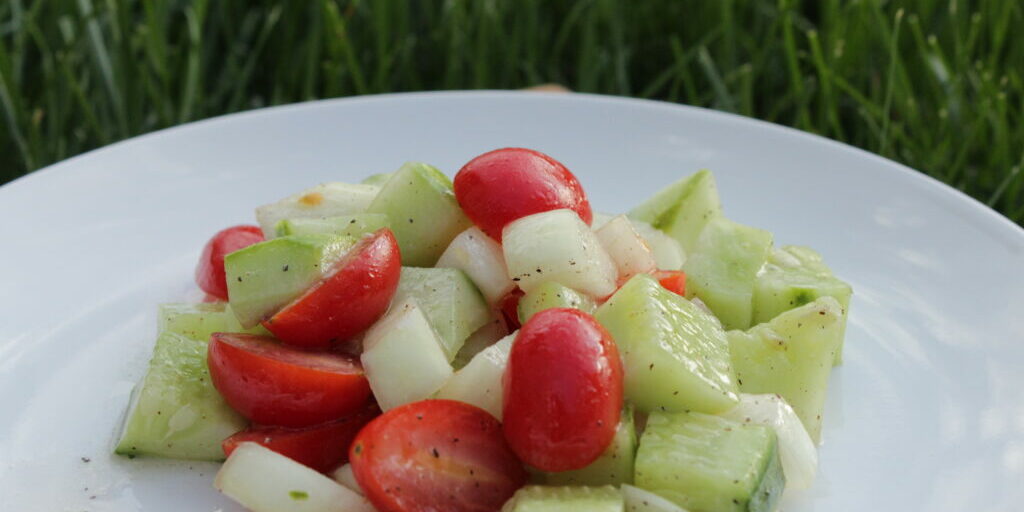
[[563, 390], [503, 185], [435, 456], [210, 271], [274, 384], [349, 300], [322, 447], [672, 280]]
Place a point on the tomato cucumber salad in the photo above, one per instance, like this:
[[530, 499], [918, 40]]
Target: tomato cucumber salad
[[415, 343]]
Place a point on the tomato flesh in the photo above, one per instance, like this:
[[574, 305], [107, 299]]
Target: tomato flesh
[[322, 447], [562, 390], [274, 384], [210, 271], [672, 280], [435, 455], [346, 302], [508, 306], [506, 184]]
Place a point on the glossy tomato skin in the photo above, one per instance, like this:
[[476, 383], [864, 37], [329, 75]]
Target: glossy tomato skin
[[506, 184], [508, 306], [349, 300], [322, 447], [435, 456], [274, 384], [210, 271], [563, 390], [672, 280]]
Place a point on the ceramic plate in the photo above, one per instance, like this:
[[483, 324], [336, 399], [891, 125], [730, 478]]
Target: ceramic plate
[[927, 413]]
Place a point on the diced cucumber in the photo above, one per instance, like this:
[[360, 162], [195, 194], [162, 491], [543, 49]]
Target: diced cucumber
[[627, 249], [378, 179], [352, 225], [683, 208], [325, 200], [264, 277], [640, 500], [482, 260], [557, 246], [420, 202], [450, 301], [549, 295], [403, 358], [791, 356], [479, 383], [613, 467], [703, 462], [175, 411], [199, 321], [536, 498], [796, 450], [492, 332], [723, 266], [668, 254], [262, 480], [674, 354], [793, 277], [344, 476]]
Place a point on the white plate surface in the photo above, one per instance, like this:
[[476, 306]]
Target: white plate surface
[[926, 414]]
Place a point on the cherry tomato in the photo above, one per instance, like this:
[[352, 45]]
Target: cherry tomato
[[563, 390], [322, 447], [274, 384], [503, 185], [348, 300], [508, 306], [435, 455], [672, 280], [210, 271]]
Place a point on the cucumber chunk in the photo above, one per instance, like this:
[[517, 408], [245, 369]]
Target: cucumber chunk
[[793, 277], [553, 295], [683, 208], [703, 462], [262, 480], [479, 383], [613, 467], [199, 321], [557, 246], [325, 200], [378, 179], [450, 301], [492, 332], [345, 476], [482, 260], [535, 498], [264, 277], [403, 358], [674, 354], [627, 249], [351, 225], [791, 356], [668, 254], [797, 452], [723, 266], [175, 411], [420, 202], [640, 500]]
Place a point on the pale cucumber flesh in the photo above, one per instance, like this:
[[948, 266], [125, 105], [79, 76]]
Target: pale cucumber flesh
[[683, 208], [613, 467], [553, 295], [449, 299], [355, 225], [535, 498], [324, 200]]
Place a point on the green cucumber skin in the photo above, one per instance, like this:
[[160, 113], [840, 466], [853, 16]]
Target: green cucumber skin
[[176, 412], [709, 463], [614, 467], [425, 217], [450, 301], [535, 498], [553, 295], [350, 225], [675, 355], [199, 321]]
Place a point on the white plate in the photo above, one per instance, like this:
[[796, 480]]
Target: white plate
[[926, 414]]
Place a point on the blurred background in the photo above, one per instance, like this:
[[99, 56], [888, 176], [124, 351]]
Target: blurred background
[[937, 85]]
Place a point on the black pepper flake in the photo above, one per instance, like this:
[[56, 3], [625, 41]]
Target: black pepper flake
[[239, 279], [410, 220], [285, 268], [435, 453], [86, 460], [516, 279]]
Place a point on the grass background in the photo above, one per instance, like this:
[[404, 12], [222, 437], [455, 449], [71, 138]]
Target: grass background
[[937, 85]]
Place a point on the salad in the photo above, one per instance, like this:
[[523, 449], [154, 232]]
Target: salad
[[414, 343]]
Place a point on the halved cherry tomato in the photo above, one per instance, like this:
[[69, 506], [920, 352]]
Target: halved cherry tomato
[[350, 299], [563, 390], [322, 447], [508, 306], [503, 185], [435, 455], [672, 280], [274, 384], [210, 271]]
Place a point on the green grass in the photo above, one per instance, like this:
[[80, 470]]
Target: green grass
[[936, 85]]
